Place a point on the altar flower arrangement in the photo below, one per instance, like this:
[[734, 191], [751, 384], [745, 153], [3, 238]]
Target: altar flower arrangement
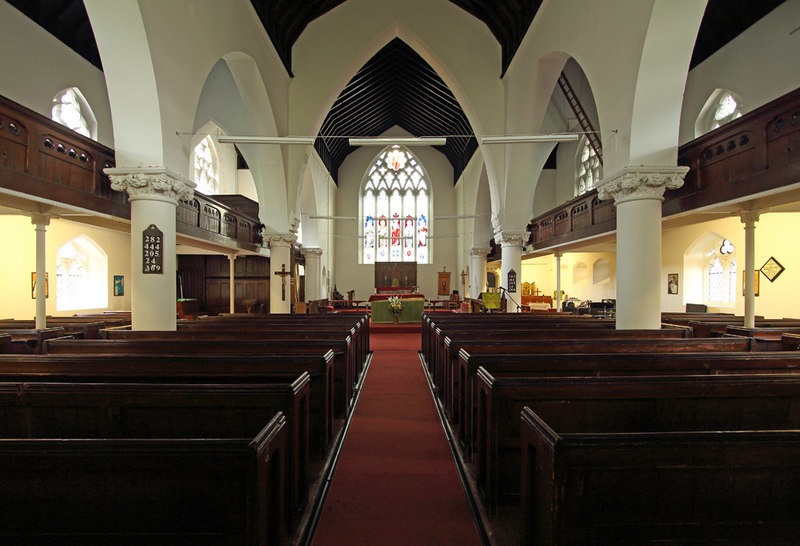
[[395, 304]]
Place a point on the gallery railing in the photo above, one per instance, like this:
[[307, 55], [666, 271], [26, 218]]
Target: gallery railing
[[756, 153], [42, 159]]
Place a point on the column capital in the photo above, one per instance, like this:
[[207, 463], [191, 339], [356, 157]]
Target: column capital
[[640, 182], [311, 251], [152, 183], [749, 216], [40, 219], [479, 251], [510, 238], [284, 240]]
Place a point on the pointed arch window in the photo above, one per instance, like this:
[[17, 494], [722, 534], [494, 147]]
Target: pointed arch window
[[723, 106], [721, 274], [206, 167], [71, 110], [588, 168], [395, 209], [81, 275]]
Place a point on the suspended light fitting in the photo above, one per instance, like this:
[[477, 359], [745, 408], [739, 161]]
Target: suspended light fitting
[[266, 140], [405, 141], [521, 139]]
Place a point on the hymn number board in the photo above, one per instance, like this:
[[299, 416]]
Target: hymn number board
[[152, 250]]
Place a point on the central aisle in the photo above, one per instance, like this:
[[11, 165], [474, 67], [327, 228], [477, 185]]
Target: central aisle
[[396, 481]]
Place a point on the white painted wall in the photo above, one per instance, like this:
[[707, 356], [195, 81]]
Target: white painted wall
[[36, 66], [348, 273], [759, 65]]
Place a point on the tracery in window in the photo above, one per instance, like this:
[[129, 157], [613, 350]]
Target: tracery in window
[[722, 106], [206, 167], [71, 110], [721, 274], [395, 212], [81, 275], [588, 168]]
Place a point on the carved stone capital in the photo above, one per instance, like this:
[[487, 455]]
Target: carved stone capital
[[749, 217], [510, 238], [153, 183], [309, 252], [633, 183], [285, 240], [481, 252]]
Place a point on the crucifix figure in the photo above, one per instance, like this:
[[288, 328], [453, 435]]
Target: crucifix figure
[[464, 278], [283, 274]]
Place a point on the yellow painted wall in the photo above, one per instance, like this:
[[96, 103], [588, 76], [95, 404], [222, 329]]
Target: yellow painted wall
[[18, 247]]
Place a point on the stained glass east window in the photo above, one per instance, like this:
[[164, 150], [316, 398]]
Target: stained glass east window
[[394, 206]]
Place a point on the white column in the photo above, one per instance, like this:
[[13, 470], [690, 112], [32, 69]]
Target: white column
[[557, 254], [637, 193], [749, 219], [280, 246], [477, 278], [41, 222], [313, 273], [511, 243], [153, 193], [232, 281]]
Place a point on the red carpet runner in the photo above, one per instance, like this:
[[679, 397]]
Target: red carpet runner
[[396, 481]]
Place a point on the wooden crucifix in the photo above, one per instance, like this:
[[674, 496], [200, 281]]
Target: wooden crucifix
[[464, 278], [283, 274]]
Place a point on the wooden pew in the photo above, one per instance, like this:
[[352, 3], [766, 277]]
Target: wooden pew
[[5, 343], [766, 338], [790, 342], [316, 347], [345, 354], [601, 365], [667, 460], [201, 368], [76, 329], [114, 410], [31, 340], [602, 342], [184, 489]]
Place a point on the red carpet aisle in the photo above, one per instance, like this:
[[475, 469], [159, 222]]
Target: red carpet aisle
[[396, 482]]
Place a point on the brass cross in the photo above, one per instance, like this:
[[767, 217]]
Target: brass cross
[[536, 292], [283, 274]]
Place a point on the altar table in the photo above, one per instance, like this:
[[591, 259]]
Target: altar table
[[411, 311]]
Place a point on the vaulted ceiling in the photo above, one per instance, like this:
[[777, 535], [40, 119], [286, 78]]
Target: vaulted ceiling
[[377, 99]]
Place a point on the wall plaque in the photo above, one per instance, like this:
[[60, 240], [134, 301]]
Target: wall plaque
[[152, 250], [512, 281]]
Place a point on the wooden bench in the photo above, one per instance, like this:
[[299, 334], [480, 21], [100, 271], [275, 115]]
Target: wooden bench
[[346, 359], [170, 368], [316, 347], [76, 329], [603, 342], [114, 410], [184, 489], [667, 460], [766, 338], [600, 365], [30, 340]]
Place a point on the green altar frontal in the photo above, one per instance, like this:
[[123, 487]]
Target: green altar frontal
[[411, 311]]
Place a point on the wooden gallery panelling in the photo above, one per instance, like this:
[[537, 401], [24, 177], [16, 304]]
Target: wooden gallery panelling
[[207, 278]]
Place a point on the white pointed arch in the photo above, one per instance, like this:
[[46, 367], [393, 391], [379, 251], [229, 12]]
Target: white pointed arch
[[71, 109]]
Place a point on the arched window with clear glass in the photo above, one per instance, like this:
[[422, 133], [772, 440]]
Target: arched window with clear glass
[[206, 167], [71, 110], [395, 198], [587, 169]]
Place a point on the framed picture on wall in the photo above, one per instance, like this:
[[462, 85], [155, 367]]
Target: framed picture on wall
[[672, 283], [756, 274], [46, 285], [119, 285]]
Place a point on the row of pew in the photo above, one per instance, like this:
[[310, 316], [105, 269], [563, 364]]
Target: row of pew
[[573, 432], [217, 433]]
